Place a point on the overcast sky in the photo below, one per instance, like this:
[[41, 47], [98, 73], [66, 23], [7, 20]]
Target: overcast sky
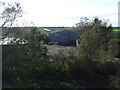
[[66, 12]]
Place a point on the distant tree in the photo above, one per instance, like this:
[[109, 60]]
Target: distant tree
[[82, 26], [84, 22]]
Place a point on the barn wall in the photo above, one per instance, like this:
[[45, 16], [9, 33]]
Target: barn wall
[[63, 36]]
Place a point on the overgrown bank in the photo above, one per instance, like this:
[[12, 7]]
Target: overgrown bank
[[29, 66]]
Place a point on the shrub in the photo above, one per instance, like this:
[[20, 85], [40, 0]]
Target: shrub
[[26, 61], [106, 69], [79, 67]]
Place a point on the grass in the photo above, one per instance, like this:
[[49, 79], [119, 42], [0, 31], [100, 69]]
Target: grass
[[116, 33], [59, 82], [117, 39], [116, 29], [43, 31], [117, 58]]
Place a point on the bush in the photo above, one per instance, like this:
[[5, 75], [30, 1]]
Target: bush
[[79, 67], [86, 67], [27, 61], [115, 79], [106, 69]]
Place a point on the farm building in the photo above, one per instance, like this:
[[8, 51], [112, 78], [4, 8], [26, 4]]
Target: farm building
[[62, 37]]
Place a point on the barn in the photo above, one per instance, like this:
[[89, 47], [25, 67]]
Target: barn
[[62, 37]]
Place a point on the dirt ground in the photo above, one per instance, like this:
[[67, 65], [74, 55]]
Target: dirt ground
[[56, 52]]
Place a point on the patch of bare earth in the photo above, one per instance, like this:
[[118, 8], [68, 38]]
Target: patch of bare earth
[[58, 52]]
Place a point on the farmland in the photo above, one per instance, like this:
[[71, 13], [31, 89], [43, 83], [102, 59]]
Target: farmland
[[116, 29]]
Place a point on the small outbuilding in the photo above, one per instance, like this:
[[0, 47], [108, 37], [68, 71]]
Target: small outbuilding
[[62, 37]]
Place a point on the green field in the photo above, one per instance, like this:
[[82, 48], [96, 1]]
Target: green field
[[117, 58], [116, 29], [43, 31], [116, 33]]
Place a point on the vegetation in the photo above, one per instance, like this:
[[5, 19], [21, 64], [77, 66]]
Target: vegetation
[[90, 65], [42, 31], [30, 66], [21, 60], [10, 13], [116, 30]]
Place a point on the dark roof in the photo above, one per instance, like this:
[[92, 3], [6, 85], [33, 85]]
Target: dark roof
[[58, 30]]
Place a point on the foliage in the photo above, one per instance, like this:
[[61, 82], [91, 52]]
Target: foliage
[[94, 41], [112, 48], [25, 60], [11, 12], [115, 80], [43, 31], [28, 65], [84, 23], [89, 45], [34, 43]]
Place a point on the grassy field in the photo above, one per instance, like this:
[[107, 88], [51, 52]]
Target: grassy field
[[43, 31], [116, 29]]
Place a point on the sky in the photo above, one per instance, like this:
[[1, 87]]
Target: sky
[[53, 13]]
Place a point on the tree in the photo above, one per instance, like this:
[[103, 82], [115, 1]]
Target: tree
[[84, 22], [82, 26], [34, 43], [113, 48], [24, 61], [32, 49], [10, 13], [94, 41], [89, 45]]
